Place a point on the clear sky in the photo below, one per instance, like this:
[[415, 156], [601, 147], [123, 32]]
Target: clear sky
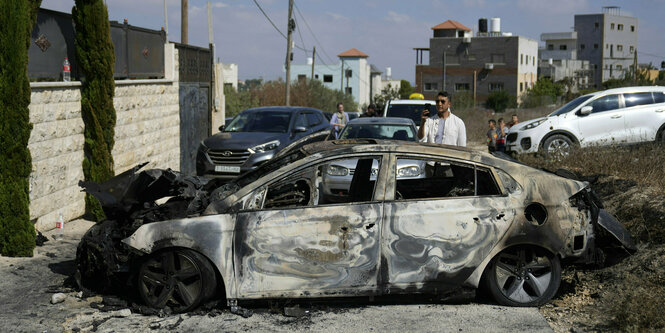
[[387, 30]]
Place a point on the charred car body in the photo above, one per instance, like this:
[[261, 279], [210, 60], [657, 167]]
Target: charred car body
[[270, 233]]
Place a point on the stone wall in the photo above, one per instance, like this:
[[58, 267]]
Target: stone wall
[[147, 130]]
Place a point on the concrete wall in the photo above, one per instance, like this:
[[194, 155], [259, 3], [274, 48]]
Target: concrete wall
[[147, 130]]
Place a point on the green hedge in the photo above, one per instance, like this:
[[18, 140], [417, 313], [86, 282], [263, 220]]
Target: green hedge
[[96, 58], [17, 233]]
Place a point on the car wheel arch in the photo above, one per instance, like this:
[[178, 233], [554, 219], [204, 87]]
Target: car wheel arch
[[170, 247], [660, 134], [568, 134]]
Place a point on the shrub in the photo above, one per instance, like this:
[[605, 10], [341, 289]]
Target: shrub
[[405, 89], [499, 101], [96, 58], [463, 100], [17, 233]]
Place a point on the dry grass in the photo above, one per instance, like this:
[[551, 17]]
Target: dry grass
[[475, 120]]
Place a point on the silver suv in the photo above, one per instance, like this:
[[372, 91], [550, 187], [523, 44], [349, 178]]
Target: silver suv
[[614, 116]]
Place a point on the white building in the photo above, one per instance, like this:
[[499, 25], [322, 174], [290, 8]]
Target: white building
[[558, 60]]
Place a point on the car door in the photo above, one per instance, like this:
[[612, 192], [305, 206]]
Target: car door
[[300, 121], [439, 227], [296, 245], [644, 113], [605, 124]]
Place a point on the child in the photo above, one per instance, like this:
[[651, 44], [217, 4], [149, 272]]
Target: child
[[491, 136], [501, 132]]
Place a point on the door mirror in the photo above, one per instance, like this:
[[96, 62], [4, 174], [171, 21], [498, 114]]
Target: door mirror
[[221, 128], [585, 110], [299, 129]]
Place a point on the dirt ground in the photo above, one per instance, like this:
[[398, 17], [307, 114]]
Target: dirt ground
[[626, 296]]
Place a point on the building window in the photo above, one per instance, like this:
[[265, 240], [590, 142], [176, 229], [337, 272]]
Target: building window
[[632, 49], [619, 48], [632, 28], [596, 25], [521, 59], [431, 86], [462, 86], [620, 27], [612, 26], [498, 58], [302, 78], [595, 66], [582, 46], [550, 47], [348, 90], [595, 46], [521, 86], [607, 46], [563, 47], [327, 78], [619, 67], [316, 76], [495, 86], [349, 73]]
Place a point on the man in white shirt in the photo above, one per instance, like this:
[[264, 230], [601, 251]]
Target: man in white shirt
[[444, 127]]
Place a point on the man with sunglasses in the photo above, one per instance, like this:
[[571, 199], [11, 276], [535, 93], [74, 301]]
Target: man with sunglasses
[[444, 127]]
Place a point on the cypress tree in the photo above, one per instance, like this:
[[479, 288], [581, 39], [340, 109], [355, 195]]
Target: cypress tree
[[17, 233], [96, 58]]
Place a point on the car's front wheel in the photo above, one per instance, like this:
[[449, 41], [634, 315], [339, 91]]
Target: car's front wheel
[[558, 146], [523, 276], [179, 278]]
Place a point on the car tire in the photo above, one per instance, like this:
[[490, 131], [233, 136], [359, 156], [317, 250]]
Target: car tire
[[557, 146], [178, 278], [523, 276]]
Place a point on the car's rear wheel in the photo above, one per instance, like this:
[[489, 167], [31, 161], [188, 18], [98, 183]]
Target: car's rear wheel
[[523, 276], [179, 278], [558, 146]]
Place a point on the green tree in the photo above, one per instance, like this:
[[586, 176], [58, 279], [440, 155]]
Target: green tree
[[544, 92], [17, 233], [388, 93], [499, 101], [96, 58], [405, 89]]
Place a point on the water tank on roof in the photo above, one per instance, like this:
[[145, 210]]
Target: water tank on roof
[[310, 60], [495, 24], [482, 25]]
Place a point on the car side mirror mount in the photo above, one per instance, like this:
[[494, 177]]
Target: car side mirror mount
[[299, 129], [221, 128], [585, 110]]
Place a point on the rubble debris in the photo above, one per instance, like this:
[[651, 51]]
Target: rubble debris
[[122, 313], [40, 239], [294, 311], [245, 313], [58, 298]]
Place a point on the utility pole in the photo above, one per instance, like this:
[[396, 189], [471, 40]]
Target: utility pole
[[313, 60], [341, 77], [291, 27], [635, 66], [166, 22], [184, 21]]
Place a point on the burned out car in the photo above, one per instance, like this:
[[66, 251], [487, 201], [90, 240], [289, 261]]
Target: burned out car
[[473, 219]]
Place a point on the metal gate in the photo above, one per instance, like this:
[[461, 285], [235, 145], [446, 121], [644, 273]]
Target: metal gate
[[195, 77]]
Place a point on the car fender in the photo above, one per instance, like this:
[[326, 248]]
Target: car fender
[[559, 131], [211, 235]]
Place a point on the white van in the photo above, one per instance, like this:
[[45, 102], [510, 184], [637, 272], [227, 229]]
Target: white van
[[614, 116], [408, 108]]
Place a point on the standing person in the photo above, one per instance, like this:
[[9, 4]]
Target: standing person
[[371, 111], [502, 132], [443, 127], [513, 121], [491, 136], [339, 120]]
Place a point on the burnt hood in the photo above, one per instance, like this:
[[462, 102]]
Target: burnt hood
[[242, 140]]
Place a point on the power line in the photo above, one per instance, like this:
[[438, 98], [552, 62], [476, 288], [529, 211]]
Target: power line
[[276, 28], [312, 32], [301, 40], [652, 55]]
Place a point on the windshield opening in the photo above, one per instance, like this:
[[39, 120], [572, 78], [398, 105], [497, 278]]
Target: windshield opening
[[376, 131], [260, 121], [571, 105], [410, 111]]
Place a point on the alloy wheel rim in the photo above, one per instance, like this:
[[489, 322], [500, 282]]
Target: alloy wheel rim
[[523, 276], [559, 148], [172, 279]]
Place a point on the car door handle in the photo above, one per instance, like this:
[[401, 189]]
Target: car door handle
[[369, 226], [616, 116]]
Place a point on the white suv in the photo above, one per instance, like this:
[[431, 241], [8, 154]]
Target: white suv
[[614, 116], [408, 108]]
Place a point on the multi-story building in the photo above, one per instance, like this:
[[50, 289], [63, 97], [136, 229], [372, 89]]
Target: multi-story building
[[353, 75], [608, 41], [558, 60], [479, 65]]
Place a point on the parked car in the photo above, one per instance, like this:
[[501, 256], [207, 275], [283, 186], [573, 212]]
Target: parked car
[[476, 219], [614, 116], [337, 176], [253, 137], [408, 108]]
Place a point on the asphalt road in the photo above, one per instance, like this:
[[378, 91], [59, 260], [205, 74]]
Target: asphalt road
[[28, 284]]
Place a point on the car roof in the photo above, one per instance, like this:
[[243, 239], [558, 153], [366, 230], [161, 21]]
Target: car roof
[[628, 90], [281, 109], [382, 120], [412, 101]]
